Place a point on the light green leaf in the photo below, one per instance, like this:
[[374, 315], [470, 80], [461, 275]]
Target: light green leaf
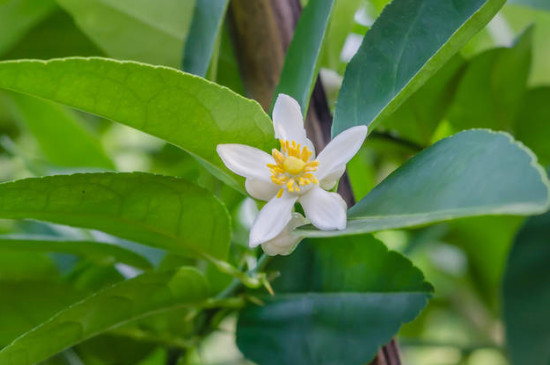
[[180, 108], [156, 210], [139, 30], [205, 28], [539, 4], [119, 304], [531, 126], [60, 133], [105, 253], [337, 301], [407, 44], [18, 17], [492, 87], [473, 173], [526, 294], [302, 58]]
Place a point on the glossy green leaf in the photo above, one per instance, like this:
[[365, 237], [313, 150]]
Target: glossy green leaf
[[97, 251], [180, 108], [492, 87], [106, 309], [531, 126], [18, 17], [526, 294], [407, 44], [337, 301], [156, 210], [538, 4], [473, 173], [201, 40], [60, 133], [26, 304], [138, 30], [302, 58]]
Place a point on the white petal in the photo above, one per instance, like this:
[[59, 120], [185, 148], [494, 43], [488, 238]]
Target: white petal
[[325, 210], [288, 121], [340, 150], [246, 161], [285, 242], [331, 179], [261, 189], [272, 219]]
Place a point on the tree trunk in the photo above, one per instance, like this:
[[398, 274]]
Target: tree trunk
[[261, 33]]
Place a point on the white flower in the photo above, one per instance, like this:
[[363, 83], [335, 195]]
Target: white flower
[[285, 242], [293, 174]]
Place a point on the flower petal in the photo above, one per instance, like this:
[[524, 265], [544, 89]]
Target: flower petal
[[288, 121], [261, 189], [331, 179], [272, 219], [246, 161], [325, 210], [285, 242], [340, 150]]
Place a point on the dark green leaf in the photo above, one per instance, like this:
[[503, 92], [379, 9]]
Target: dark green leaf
[[180, 108], [116, 305], [302, 59], [526, 294], [540, 4], [105, 253], [337, 301], [201, 40], [407, 44], [490, 92], [156, 210], [472, 173], [60, 133], [531, 126]]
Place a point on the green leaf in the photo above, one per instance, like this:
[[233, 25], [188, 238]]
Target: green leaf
[[526, 294], [100, 252], [180, 108], [121, 303], [407, 44], [538, 4], [473, 173], [205, 28], [531, 126], [18, 17], [492, 87], [139, 30], [156, 210], [60, 133], [337, 301], [302, 58], [26, 304]]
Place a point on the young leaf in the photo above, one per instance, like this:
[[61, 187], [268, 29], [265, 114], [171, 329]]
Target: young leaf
[[526, 294], [156, 210], [119, 304], [60, 133], [492, 87], [96, 251], [475, 172], [301, 62], [139, 30], [180, 108], [337, 301], [201, 40], [407, 44]]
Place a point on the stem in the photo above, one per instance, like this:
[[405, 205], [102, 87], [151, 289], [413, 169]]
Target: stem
[[391, 137]]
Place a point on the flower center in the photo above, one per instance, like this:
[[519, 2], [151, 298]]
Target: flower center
[[293, 168]]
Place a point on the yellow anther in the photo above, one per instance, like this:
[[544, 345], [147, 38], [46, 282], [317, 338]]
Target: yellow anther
[[280, 193]]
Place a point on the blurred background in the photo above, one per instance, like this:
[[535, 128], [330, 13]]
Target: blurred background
[[499, 80]]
